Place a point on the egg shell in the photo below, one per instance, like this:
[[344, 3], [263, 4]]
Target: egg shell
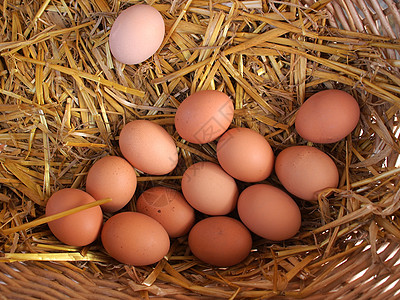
[[112, 177], [204, 116], [209, 189], [135, 239], [245, 154], [327, 116], [136, 34], [220, 241], [78, 229], [269, 212], [168, 207], [305, 171], [148, 147]]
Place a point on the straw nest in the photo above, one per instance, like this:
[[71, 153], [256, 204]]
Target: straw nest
[[64, 100]]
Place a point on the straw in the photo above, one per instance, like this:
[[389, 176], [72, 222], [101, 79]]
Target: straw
[[64, 100]]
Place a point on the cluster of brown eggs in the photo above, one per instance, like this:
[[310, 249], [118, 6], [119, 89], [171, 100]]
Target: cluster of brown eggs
[[210, 188], [143, 237]]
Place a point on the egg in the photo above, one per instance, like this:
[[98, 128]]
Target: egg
[[327, 116], [136, 34], [220, 241], [111, 177], [168, 207], [269, 212], [209, 189], [204, 116], [78, 229], [245, 155], [305, 171], [135, 239], [148, 147]]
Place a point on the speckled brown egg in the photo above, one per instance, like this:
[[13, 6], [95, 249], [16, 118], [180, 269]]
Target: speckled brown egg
[[78, 229], [204, 116], [209, 189], [327, 116], [168, 207], [269, 212], [305, 171], [245, 154], [220, 241], [135, 239], [148, 147], [112, 177]]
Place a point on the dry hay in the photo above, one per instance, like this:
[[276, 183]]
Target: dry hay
[[64, 100]]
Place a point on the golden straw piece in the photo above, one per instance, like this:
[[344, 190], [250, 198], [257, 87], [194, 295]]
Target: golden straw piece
[[47, 219]]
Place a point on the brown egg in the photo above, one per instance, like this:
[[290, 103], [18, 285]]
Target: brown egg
[[111, 177], [269, 212], [136, 34], [135, 239], [78, 229], [209, 189], [327, 116], [168, 207], [220, 241], [245, 155], [148, 147], [305, 171], [204, 116]]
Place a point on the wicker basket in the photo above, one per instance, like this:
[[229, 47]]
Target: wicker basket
[[64, 100]]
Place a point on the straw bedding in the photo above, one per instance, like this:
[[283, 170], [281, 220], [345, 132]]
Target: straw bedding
[[64, 100]]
